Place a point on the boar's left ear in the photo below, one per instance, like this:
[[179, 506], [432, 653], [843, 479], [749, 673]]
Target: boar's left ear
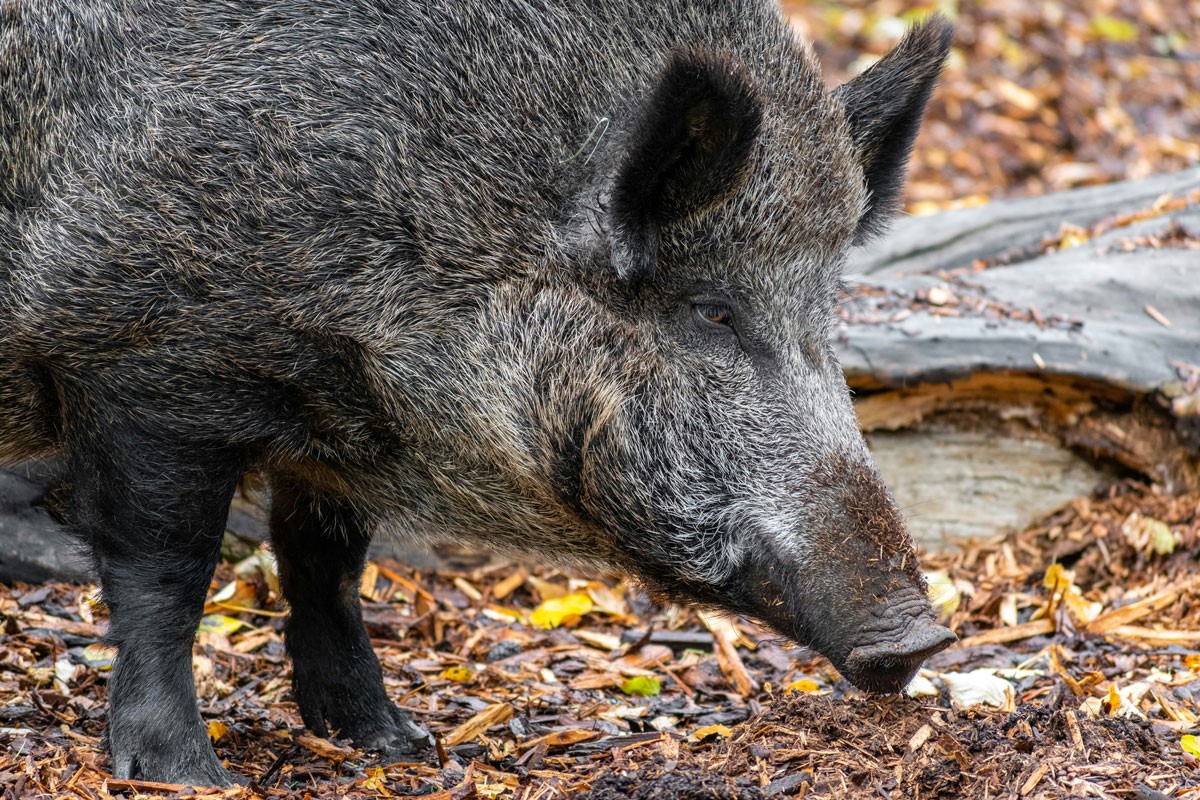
[[686, 152], [884, 106]]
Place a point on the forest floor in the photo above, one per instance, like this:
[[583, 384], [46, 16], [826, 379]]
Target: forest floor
[[1035, 97], [1077, 673]]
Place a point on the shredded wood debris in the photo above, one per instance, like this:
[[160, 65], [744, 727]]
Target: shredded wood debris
[[1035, 97], [1077, 672]]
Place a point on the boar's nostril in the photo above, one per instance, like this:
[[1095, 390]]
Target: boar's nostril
[[889, 666]]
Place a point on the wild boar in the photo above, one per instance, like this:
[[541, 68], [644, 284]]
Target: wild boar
[[551, 278]]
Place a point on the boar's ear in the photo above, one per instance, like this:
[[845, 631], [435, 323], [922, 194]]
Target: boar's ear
[[884, 106], [686, 152]]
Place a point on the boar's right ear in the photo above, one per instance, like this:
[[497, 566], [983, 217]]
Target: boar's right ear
[[884, 106], [686, 152]]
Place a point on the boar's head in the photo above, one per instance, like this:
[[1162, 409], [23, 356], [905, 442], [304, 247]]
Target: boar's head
[[686, 402]]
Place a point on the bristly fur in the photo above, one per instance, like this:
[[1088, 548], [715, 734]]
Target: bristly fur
[[548, 277]]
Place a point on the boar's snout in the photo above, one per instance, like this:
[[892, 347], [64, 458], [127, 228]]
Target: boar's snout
[[884, 652], [877, 645], [846, 581], [890, 659]]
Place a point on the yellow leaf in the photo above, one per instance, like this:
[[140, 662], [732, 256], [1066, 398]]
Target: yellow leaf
[[1072, 237], [1162, 539], [1113, 701], [1192, 662], [1191, 745], [458, 674], [943, 594], [219, 623], [1055, 579], [1013, 54], [642, 686], [806, 685], [99, 656], [216, 730], [700, 734], [561, 611], [1063, 591], [376, 782], [1114, 30]]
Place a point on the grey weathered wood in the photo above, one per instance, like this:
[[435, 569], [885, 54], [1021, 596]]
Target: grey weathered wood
[[954, 484], [1105, 290], [956, 238], [962, 478]]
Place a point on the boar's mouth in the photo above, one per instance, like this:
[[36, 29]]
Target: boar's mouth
[[890, 663]]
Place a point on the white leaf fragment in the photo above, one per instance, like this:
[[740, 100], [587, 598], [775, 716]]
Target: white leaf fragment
[[980, 687], [921, 686]]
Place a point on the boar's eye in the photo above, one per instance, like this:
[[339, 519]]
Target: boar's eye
[[715, 314]]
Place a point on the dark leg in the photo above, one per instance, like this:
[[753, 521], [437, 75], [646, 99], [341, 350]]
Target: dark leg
[[154, 512], [321, 546]]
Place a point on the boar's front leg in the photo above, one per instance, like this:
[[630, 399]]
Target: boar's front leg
[[321, 546], [153, 512]]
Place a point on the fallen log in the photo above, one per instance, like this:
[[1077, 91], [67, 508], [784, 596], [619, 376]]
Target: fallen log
[[1009, 357]]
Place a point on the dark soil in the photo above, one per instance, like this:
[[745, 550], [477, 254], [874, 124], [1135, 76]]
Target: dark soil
[[663, 780], [810, 746]]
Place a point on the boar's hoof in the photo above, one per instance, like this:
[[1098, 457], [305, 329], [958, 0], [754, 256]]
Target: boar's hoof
[[191, 763], [889, 666], [401, 736]]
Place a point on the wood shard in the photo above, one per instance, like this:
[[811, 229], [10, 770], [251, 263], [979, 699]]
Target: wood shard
[[732, 666], [1076, 733], [1025, 630], [920, 738], [324, 747], [138, 787], [1034, 779], [1157, 316], [1153, 635], [495, 714], [510, 584], [561, 738], [1118, 617]]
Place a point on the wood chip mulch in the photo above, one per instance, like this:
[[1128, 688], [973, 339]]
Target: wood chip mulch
[[1077, 675], [1036, 97]]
